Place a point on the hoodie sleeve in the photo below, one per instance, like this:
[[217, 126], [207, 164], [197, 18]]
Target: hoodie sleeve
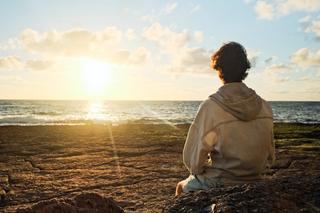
[[197, 147]]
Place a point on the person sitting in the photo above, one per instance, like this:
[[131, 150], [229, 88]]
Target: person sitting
[[230, 140]]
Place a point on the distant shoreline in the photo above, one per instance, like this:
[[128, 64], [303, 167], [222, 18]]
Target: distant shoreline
[[93, 100], [132, 124]]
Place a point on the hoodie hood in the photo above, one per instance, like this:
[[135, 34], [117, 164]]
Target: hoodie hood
[[239, 100]]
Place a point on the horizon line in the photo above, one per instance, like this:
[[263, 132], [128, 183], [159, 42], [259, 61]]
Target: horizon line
[[23, 99]]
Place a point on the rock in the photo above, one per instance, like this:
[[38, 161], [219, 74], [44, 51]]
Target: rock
[[286, 194], [50, 206], [125, 203], [282, 164], [84, 203], [2, 196]]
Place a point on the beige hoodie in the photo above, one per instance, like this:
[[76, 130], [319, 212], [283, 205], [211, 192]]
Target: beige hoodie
[[231, 137]]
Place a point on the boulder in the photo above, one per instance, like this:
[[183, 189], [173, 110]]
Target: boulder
[[286, 194], [81, 203]]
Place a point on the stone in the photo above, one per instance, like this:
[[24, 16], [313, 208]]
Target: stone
[[285, 194], [84, 203], [2, 196]]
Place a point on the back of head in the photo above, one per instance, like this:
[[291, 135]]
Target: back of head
[[231, 62]]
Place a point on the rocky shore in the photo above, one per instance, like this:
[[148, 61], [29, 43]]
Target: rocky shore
[[135, 168], [293, 185]]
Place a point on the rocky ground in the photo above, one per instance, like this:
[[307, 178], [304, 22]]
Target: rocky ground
[[286, 194], [293, 186], [137, 165]]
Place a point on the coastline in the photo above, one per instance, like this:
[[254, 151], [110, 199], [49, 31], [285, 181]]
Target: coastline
[[137, 165]]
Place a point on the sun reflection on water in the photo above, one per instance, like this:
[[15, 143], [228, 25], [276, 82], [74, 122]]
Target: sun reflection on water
[[95, 111]]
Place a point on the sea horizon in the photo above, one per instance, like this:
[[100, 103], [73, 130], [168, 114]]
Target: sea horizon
[[171, 112], [92, 100]]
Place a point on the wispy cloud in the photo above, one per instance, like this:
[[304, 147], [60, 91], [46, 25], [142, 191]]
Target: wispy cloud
[[195, 9], [198, 36], [270, 59], [169, 8], [305, 58], [131, 34], [165, 37], [272, 9], [10, 63], [278, 72], [37, 64], [310, 25], [264, 10], [253, 56], [16, 63], [10, 44]]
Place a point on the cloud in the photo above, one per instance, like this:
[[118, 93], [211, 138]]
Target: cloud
[[135, 57], [37, 64], [103, 45], [10, 44], [272, 9], [191, 60], [195, 56], [306, 78], [50, 47], [166, 38], [10, 63], [195, 8], [253, 56], [74, 42], [198, 36], [289, 6], [169, 8], [305, 58], [278, 72], [310, 26], [264, 10], [139, 56], [15, 63], [278, 68], [148, 18], [270, 59], [130, 34]]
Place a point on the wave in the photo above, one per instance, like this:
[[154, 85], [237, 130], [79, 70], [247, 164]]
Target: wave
[[149, 112], [31, 121]]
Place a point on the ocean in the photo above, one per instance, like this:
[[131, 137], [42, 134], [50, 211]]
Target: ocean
[[38, 112]]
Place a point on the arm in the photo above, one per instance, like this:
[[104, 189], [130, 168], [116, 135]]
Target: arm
[[199, 142]]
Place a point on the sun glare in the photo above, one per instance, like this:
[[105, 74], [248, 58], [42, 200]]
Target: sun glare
[[95, 110], [97, 76]]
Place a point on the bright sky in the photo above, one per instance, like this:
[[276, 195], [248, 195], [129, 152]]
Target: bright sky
[[155, 50]]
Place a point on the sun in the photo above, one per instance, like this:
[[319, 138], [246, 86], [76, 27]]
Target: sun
[[97, 75]]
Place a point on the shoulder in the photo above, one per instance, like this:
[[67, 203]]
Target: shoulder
[[207, 104], [266, 107], [207, 109], [204, 118]]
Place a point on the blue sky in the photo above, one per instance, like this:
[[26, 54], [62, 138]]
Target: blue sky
[[155, 50]]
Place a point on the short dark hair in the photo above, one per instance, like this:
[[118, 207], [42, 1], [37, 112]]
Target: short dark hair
[[231, 62]]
